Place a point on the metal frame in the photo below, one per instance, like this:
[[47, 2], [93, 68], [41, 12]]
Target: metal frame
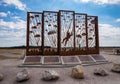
[[48, 51], [40, 50], [81, 26], [66, 51], [95, 49], [35, 50]]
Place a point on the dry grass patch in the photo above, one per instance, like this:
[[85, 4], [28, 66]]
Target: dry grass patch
[[6, 57], [13, 51]]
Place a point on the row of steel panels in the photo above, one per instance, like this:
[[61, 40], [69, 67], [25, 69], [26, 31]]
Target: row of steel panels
[[83, 59]]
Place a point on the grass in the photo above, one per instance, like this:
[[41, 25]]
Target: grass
[[6, 57], [12, 51]]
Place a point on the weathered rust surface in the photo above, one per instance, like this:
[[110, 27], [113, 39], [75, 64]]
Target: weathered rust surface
[[61, 33]]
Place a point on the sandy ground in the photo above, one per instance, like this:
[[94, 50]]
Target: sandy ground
[[9, 68]]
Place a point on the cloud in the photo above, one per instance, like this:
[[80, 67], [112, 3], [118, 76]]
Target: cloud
[[16, 17], [100, 1], [18, 24], [17, 3], [118, 20], [109, 35], [12, 38], [12, 33], [3, 14]]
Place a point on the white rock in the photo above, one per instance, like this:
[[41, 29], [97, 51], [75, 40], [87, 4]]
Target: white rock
[[116, 67], [50, 75], [100, 72], [78, 72], [22, 75], [1, 77]]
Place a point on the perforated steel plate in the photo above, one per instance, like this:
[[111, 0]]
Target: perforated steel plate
[[32, 60], [51, 60], [86, 59], [99, 58], [70, 60]]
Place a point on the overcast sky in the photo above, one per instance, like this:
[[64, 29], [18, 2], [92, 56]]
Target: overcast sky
[[13, 18]]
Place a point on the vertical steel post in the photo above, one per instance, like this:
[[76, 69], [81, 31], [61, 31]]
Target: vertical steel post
[[59, 33], [74, 32], [97, 34], [43, 33], [86, 25], [27, 34]]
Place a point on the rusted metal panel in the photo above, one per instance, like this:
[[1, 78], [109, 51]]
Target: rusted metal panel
[[61, 33]]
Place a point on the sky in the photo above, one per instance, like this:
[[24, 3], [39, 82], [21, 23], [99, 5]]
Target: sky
[[13, 18]]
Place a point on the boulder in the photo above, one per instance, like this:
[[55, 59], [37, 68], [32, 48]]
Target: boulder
[[22, 75], [116, 67], [78, 72], [49, 75], [1, 76], [100, 72]]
